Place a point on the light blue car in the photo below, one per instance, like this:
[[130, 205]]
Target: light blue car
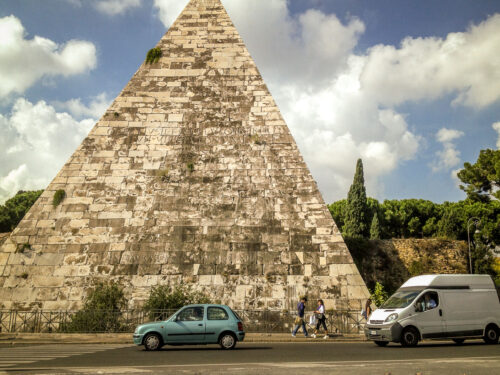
[[193, 325]]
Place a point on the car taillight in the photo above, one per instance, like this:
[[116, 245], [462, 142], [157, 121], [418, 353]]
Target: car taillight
[[240, 326]]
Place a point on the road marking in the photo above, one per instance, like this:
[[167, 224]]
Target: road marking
[[29, 354], [143, 368]]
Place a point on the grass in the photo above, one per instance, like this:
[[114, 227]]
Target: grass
[[154, 55], [59, 195], [190, 167], [24, 275]]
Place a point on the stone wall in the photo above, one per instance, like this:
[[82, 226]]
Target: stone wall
[[392, 262]]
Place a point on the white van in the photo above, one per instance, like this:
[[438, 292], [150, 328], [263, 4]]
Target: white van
[[456, 307]]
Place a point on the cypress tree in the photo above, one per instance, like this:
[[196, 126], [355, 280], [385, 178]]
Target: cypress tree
[[375, 228], [357, 208]]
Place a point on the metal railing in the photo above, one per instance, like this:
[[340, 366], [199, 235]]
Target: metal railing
[[99, 321]]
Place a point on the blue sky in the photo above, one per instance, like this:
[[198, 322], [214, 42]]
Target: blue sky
[[412, 87]]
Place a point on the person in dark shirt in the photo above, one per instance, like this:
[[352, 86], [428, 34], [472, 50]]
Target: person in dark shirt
[[299, 321]]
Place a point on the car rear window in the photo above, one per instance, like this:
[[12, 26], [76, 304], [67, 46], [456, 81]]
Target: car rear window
[[217, 313]]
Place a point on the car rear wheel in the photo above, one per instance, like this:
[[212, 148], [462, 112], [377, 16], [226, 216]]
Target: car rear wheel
[[227, 341], [459, 341], [152, 341], [491, 335], [382, 343], [409, 337]]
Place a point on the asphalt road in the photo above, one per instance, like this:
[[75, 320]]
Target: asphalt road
[[273, 358]]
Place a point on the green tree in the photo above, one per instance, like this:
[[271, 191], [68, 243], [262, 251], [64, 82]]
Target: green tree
[[101, 311], [481, 180], [356, 217], [14, 209], [379, 294], [165, 297], [375, 228]]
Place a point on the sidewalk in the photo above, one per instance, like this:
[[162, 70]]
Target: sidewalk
[[126, 338]]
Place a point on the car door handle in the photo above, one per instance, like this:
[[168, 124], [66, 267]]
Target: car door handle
[[440, 312]]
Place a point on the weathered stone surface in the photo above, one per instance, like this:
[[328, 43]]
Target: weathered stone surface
[[191, 176]]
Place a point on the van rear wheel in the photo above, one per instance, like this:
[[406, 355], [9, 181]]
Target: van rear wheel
[[491, 335], [381, 343], [409, 337]]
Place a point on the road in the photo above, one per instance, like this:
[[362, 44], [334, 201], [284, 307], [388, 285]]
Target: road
[[266, 358]]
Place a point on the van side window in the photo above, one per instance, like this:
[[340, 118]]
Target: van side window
[[428, 301]]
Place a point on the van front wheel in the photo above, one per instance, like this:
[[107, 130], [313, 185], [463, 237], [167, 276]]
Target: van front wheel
[[491, 335], [409, 337]]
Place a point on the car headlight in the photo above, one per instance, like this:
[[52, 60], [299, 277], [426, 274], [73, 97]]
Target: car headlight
[[391, 318]]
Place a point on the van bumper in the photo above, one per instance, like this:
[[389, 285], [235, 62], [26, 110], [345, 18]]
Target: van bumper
[[384, 333]]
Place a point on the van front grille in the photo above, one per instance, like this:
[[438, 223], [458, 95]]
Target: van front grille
[[376, 322]]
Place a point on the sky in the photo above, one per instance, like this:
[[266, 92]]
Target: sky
[[411, 87]]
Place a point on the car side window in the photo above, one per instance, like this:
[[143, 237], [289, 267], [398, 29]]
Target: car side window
[[428, 301], [191, 314], [217, 313]]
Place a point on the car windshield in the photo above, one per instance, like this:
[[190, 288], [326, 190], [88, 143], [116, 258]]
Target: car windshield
[[401, 299]]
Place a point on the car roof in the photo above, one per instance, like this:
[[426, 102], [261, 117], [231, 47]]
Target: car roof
[[206, 304]]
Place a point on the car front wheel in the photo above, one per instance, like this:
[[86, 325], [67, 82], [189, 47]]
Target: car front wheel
[[227, 341], [409, 337], [152, 341]]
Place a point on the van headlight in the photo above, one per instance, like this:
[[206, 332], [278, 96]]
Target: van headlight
[[391, 318]]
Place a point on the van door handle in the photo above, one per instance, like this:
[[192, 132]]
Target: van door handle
[[440, 312]]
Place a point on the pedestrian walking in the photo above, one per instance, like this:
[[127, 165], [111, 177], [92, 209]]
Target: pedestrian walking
[[320, 315], [299, 320], [367, 311]]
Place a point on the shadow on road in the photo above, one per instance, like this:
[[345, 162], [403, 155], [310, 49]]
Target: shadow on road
[[435, 345], [204, 349]]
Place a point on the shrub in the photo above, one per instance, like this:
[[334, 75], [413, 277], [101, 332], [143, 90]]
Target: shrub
[[101, 311], [154, 55], [59, 195], [165, 297], [379, 294]]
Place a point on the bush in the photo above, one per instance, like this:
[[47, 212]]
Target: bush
[[154, 55], [379, 294], [101, 311], [59, 195], [165, 297]]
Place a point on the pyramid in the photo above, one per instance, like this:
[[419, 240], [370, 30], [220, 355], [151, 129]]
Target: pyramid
[[192, 177]]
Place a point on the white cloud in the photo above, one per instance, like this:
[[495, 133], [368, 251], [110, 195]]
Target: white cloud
[[108, 7], [465, 64], [449, 156], [169, 10], [36, 142], [496, 127], [23, 61], [116, 7], [95, 109]]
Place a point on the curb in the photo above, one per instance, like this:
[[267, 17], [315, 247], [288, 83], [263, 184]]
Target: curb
[[13, 339]]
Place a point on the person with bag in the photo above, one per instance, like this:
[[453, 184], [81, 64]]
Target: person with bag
[[367, 311], [299, 320], [320, 316]]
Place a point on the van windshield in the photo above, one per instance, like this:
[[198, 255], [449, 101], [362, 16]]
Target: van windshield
[[401, 299]]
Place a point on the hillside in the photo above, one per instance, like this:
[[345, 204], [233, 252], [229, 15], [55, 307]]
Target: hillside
[[391, 262]]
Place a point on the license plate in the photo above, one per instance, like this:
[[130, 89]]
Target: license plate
[[374, 333]]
